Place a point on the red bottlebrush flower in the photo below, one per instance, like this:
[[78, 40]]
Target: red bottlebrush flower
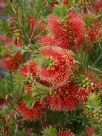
[[59, 37], [65, 133], [60, 71], [72, 32], [75, 28], [54, 24], [64, 99], [33, 113]]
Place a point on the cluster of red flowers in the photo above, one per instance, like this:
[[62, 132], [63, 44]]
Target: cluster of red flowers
[[57, 74], [60, 71], [68, 97], [58, 37], [53, 67], [66, 34], [75, 28]]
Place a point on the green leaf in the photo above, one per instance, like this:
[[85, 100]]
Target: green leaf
[[18, 81], [40, 91], [60, 11], [29, 101], [82, 59], [95, 55]]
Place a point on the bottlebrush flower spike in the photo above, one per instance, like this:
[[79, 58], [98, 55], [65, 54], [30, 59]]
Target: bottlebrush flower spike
[[60, 71], [65, 133], [54, 25], [33, 113], [71, 32], [60, 35], [75, 28]]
